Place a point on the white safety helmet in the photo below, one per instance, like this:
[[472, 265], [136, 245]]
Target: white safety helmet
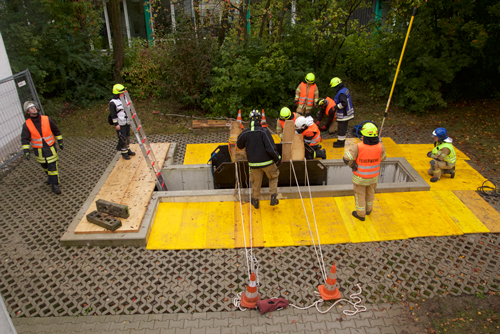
[[309, 120], [300, 122]]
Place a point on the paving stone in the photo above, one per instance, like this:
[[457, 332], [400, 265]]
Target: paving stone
[[131, 324], [342, 331], [85, 326], [102, 326], [57, 327], [348, 324], [185, 316], [264, 320], [288, 327], [324, 317], [71, 327], [161, 324], [357, 331], [377, 322], [152, 331], [388, 330], [367, 315], [318, 325], [282, 319], [148, 324], [167, 330], [202, 315], [183, 331], [304, 327], [215, 315], [221, 322], [204, 323], [238, 322], [273, 328], [228, 330], [244, 330], [309, 318], [198, 330], [250, 321], [154, 317], [213, 330], [170, 316], [258, 329], [362, 323], [117, 326], [137, 331], [372, 330], [176, 324], [332, 325]]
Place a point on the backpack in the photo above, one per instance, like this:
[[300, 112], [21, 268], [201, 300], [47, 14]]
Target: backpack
[[357, 128]]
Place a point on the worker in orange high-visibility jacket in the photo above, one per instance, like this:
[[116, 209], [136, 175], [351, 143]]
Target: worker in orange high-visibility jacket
[[285, 115], [312, 137], [365, 159], [306, 95], [327, 107], [41, 133]]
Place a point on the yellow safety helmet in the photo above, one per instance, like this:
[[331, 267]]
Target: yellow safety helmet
[[335, 81], [310, 78], [118, 89], [369, 130], [323, 103], [285, 113]]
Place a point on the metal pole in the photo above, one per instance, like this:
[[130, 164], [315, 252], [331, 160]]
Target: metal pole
[[108, 30], [172, 15], [294, 2], [127, 25], [397, 71], [33, 90]]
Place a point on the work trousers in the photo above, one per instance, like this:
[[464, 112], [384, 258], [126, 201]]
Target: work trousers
[[364, 195], [256, 175], [436, 167], [342, 128], [309, 151], [304, 110], [52, 172], [123, 138]]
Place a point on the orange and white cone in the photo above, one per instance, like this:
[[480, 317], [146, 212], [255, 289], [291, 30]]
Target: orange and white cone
[[263, 121], [250, 297], [239, 119], [330, 291]]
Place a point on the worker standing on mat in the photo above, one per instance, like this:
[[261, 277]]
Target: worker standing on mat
[[327, 107], [443, 155], [306, 95], [263, 157], [41, 132], [312, 137], [364, 159], [343, 109], [120, 121], [285, 115]]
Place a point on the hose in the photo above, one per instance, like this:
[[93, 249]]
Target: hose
[[487, 190]]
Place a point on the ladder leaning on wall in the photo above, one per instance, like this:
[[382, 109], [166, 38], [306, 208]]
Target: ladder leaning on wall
[[146, 149]]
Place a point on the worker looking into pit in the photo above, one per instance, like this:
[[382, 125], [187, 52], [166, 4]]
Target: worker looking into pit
[[312, 137], [285, 115]]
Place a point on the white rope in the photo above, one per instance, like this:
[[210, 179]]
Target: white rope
[[320, 261], [354, 296], [315, 223], [241, 212]]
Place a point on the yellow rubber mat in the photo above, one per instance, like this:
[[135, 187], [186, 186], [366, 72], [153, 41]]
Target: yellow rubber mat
[[452, 207]]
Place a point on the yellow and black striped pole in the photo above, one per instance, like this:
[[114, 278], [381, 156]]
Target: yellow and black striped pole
[[397, 71]]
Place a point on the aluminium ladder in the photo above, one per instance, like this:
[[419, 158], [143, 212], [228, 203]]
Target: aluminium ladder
[[146, 149]]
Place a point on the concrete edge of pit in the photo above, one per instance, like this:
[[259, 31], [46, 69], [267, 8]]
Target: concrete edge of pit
[[136, 239]]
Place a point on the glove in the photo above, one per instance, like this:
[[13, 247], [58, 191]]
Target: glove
[[296, 103], [323, 128], [60, 142], [354, 167], [27, 155], [429, 154], [278, 163], [317, 123]]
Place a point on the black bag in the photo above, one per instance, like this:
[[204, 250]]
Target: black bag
[[110, 120]]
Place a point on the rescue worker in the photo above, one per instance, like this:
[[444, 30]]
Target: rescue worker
[[306, 95], [121, 122], [327, 107], [312, 137], [263, 157], [343, 109], [443, 155], [41, 132], [364, 159], [285, 115]]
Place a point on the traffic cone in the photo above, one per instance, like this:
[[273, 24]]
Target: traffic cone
[[251, 296], [330, 291], [239, 119], [263, 121]]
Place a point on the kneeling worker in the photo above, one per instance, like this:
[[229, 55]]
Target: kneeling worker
[[263, 157], [327, 107], [364, 159], [443, 155], [312, 137], [285, 115]]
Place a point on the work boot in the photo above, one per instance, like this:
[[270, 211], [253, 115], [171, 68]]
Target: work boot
[[125, 156], [255, 203], [321, 154], [355, 214], [452, 172], [368, 212], [55, 189], [434, 179], [274, 200], [130, 153], [339, 143]]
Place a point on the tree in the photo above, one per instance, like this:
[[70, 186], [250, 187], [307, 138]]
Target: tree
[[117, 33]]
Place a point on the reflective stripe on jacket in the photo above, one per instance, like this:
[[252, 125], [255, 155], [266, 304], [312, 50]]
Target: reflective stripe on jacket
[[305, 96], [36, 138], [312, 131], [450, 158], [347, 112], [368, 160]]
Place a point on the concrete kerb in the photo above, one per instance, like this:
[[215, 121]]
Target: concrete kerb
[[138, 239]]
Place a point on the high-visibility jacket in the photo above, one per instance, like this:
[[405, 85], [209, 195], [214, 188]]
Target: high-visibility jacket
[[36, 138], [347, 112], [282, 122], [368, 160], [312, 135], [450, 158], [305, 98], [331, 106]]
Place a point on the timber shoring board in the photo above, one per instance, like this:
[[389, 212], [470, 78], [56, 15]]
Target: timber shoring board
[[206, 123], [130, 183]]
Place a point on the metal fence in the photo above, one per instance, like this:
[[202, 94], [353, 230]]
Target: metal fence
[[14, 91]]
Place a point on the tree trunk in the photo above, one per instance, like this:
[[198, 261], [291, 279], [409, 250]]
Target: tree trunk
[[264, 18], [282, 17], [117, 33], [223, 26]]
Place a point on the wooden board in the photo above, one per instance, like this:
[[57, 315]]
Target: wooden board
[[130, 183], [206, 123]]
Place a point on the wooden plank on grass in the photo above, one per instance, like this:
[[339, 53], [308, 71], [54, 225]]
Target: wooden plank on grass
[[207, 123]]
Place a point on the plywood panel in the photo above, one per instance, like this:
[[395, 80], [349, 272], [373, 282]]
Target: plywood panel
[[358, 231], [480, 208], [197, 154]]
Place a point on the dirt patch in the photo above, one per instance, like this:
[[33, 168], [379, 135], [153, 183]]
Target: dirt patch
[[457, 315]]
